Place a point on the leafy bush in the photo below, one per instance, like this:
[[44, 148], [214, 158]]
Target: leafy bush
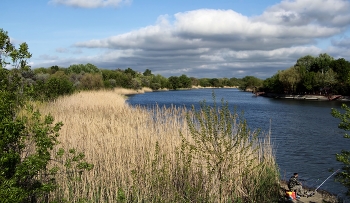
[[344, 156], [26, 137]]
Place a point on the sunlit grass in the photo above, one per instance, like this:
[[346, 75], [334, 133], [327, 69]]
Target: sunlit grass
[[121, 140]]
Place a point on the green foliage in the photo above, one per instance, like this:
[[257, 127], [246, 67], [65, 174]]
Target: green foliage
[[6, 48], [147, 72], [214, 82], [81, 68], [26, 138], [313, 75], [185, 82], [56, 87], [174, 82], [250, 82], [342, 68], [130, 72], [344, 156], [273, 84]]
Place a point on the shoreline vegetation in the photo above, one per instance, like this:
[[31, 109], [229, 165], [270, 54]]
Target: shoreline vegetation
[[310, 97], [157, 155], [136, 156]]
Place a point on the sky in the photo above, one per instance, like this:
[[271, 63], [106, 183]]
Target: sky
[[198, 38]]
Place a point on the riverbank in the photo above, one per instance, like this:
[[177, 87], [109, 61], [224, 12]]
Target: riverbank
[[320, 196], [307, 97]]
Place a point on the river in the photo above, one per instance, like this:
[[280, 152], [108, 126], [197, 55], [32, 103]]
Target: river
[[304, 133]]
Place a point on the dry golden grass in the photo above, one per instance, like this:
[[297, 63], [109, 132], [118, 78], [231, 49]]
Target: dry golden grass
[[113, 136], [118, 139]]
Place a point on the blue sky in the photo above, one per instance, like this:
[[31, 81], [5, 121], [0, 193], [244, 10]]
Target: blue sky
[[213, 39]]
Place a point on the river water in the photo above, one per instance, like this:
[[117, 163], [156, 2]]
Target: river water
[[304, 133]]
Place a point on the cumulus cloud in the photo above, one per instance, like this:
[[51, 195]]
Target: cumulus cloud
[[91, 3], [199, 41]]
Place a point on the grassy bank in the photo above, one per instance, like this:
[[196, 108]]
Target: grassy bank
[[159, 155]]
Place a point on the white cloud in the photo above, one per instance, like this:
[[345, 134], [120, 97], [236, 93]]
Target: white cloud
[[91, 3], [203, 40]]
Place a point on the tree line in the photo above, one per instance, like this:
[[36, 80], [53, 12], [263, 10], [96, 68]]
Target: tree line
[[51, 82], [312, 75]]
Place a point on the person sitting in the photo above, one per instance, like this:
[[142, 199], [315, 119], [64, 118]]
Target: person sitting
[[295, 185]]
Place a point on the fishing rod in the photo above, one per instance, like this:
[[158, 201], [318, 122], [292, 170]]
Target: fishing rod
[[326, 179], [310, 194]]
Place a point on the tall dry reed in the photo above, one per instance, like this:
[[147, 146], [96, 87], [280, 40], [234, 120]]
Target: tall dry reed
[[134, 149]]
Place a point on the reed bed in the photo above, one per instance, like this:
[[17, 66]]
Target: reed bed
[[141, 155]]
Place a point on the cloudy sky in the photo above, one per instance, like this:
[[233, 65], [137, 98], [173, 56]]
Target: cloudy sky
[[199, 38]]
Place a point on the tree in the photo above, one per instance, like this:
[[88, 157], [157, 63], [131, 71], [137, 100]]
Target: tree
[[6, 48], [131, 72], [344, 156], [273, 84], [305, 62], [322, 63], [184, 81], [174, 82], [160, 81], [214, 82], [290, 78], [26, 137], [250, 82], [147, 72], [204, 82], [342, 68]]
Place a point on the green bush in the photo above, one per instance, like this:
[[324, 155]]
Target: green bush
[[344, 156], [27, 138]]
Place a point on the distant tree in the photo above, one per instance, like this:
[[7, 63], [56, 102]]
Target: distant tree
[[306, 62], [224, 82], [251, 82], [215, 82], [81, 68], [41, 70], [184, 81], [147, 72], [273, 84], [290, 78], [235, 82], [204, 82], [194, 81], [135, 83], [174, 82], [131, 72], [161, 81], [54, 69], [342, 68], [322, 63]]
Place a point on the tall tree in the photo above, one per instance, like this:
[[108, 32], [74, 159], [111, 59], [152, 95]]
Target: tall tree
[[305, 62], [322, 63]]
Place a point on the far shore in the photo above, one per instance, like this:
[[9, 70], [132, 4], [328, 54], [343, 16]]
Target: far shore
[[128, 92], [307, 97]]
